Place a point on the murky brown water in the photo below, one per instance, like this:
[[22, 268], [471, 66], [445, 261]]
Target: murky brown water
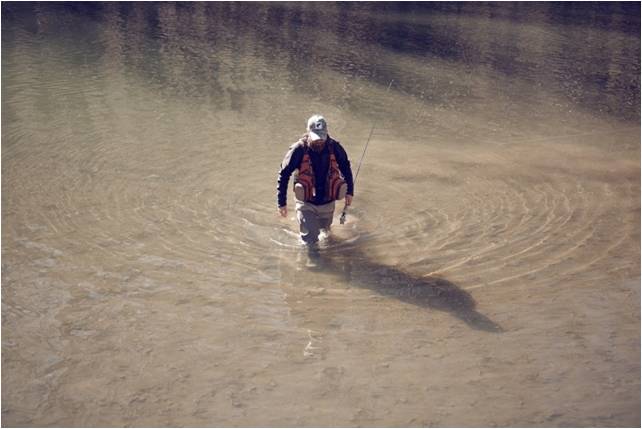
[[489, 271]]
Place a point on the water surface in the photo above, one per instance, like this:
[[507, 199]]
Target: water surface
[[489, 270]]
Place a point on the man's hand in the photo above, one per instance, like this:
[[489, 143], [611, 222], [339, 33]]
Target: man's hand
[[348, 200], [283, 211]]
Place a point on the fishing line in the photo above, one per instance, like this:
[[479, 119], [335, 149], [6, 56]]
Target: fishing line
[[342, 219]]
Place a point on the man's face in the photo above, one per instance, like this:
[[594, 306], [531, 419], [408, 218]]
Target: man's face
[[317, 145]]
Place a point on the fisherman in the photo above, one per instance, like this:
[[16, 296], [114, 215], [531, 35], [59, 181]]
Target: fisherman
[[323, 177]]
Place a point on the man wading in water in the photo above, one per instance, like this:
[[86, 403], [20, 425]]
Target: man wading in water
[[324, 176]]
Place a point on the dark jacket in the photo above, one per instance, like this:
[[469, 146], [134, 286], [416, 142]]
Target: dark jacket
[[320, 165]]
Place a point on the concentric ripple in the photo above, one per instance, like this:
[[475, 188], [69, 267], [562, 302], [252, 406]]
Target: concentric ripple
[[492, 219]]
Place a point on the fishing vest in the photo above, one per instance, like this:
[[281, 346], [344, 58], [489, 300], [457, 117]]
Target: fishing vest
[[306, 175]]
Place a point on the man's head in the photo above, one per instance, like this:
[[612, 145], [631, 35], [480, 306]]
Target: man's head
[[317, 132]]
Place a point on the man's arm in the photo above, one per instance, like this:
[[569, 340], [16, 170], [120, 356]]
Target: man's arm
[[344, 166], [290, 163]]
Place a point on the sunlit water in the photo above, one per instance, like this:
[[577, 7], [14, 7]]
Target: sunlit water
[[488, 273]]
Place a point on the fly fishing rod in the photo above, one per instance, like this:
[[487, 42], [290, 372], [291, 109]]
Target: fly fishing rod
[[342, 219]]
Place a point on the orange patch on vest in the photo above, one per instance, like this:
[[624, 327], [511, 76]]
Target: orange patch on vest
[[333, 181]]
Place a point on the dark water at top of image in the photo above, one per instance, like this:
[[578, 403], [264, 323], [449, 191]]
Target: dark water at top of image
[[586, 53]]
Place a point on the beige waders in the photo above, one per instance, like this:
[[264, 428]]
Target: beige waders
[[313, 218]]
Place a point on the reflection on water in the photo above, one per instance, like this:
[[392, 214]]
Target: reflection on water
[[584, 55], [491, 256]]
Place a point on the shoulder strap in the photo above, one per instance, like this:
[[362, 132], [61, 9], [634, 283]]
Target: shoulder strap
[[330, 144]]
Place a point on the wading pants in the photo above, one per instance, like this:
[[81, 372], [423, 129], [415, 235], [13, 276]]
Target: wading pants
[[312, 218]]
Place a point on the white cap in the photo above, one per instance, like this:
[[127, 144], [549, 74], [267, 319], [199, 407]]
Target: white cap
[[317, 128]]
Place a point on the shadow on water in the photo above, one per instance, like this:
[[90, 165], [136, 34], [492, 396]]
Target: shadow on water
[[359, 270]]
